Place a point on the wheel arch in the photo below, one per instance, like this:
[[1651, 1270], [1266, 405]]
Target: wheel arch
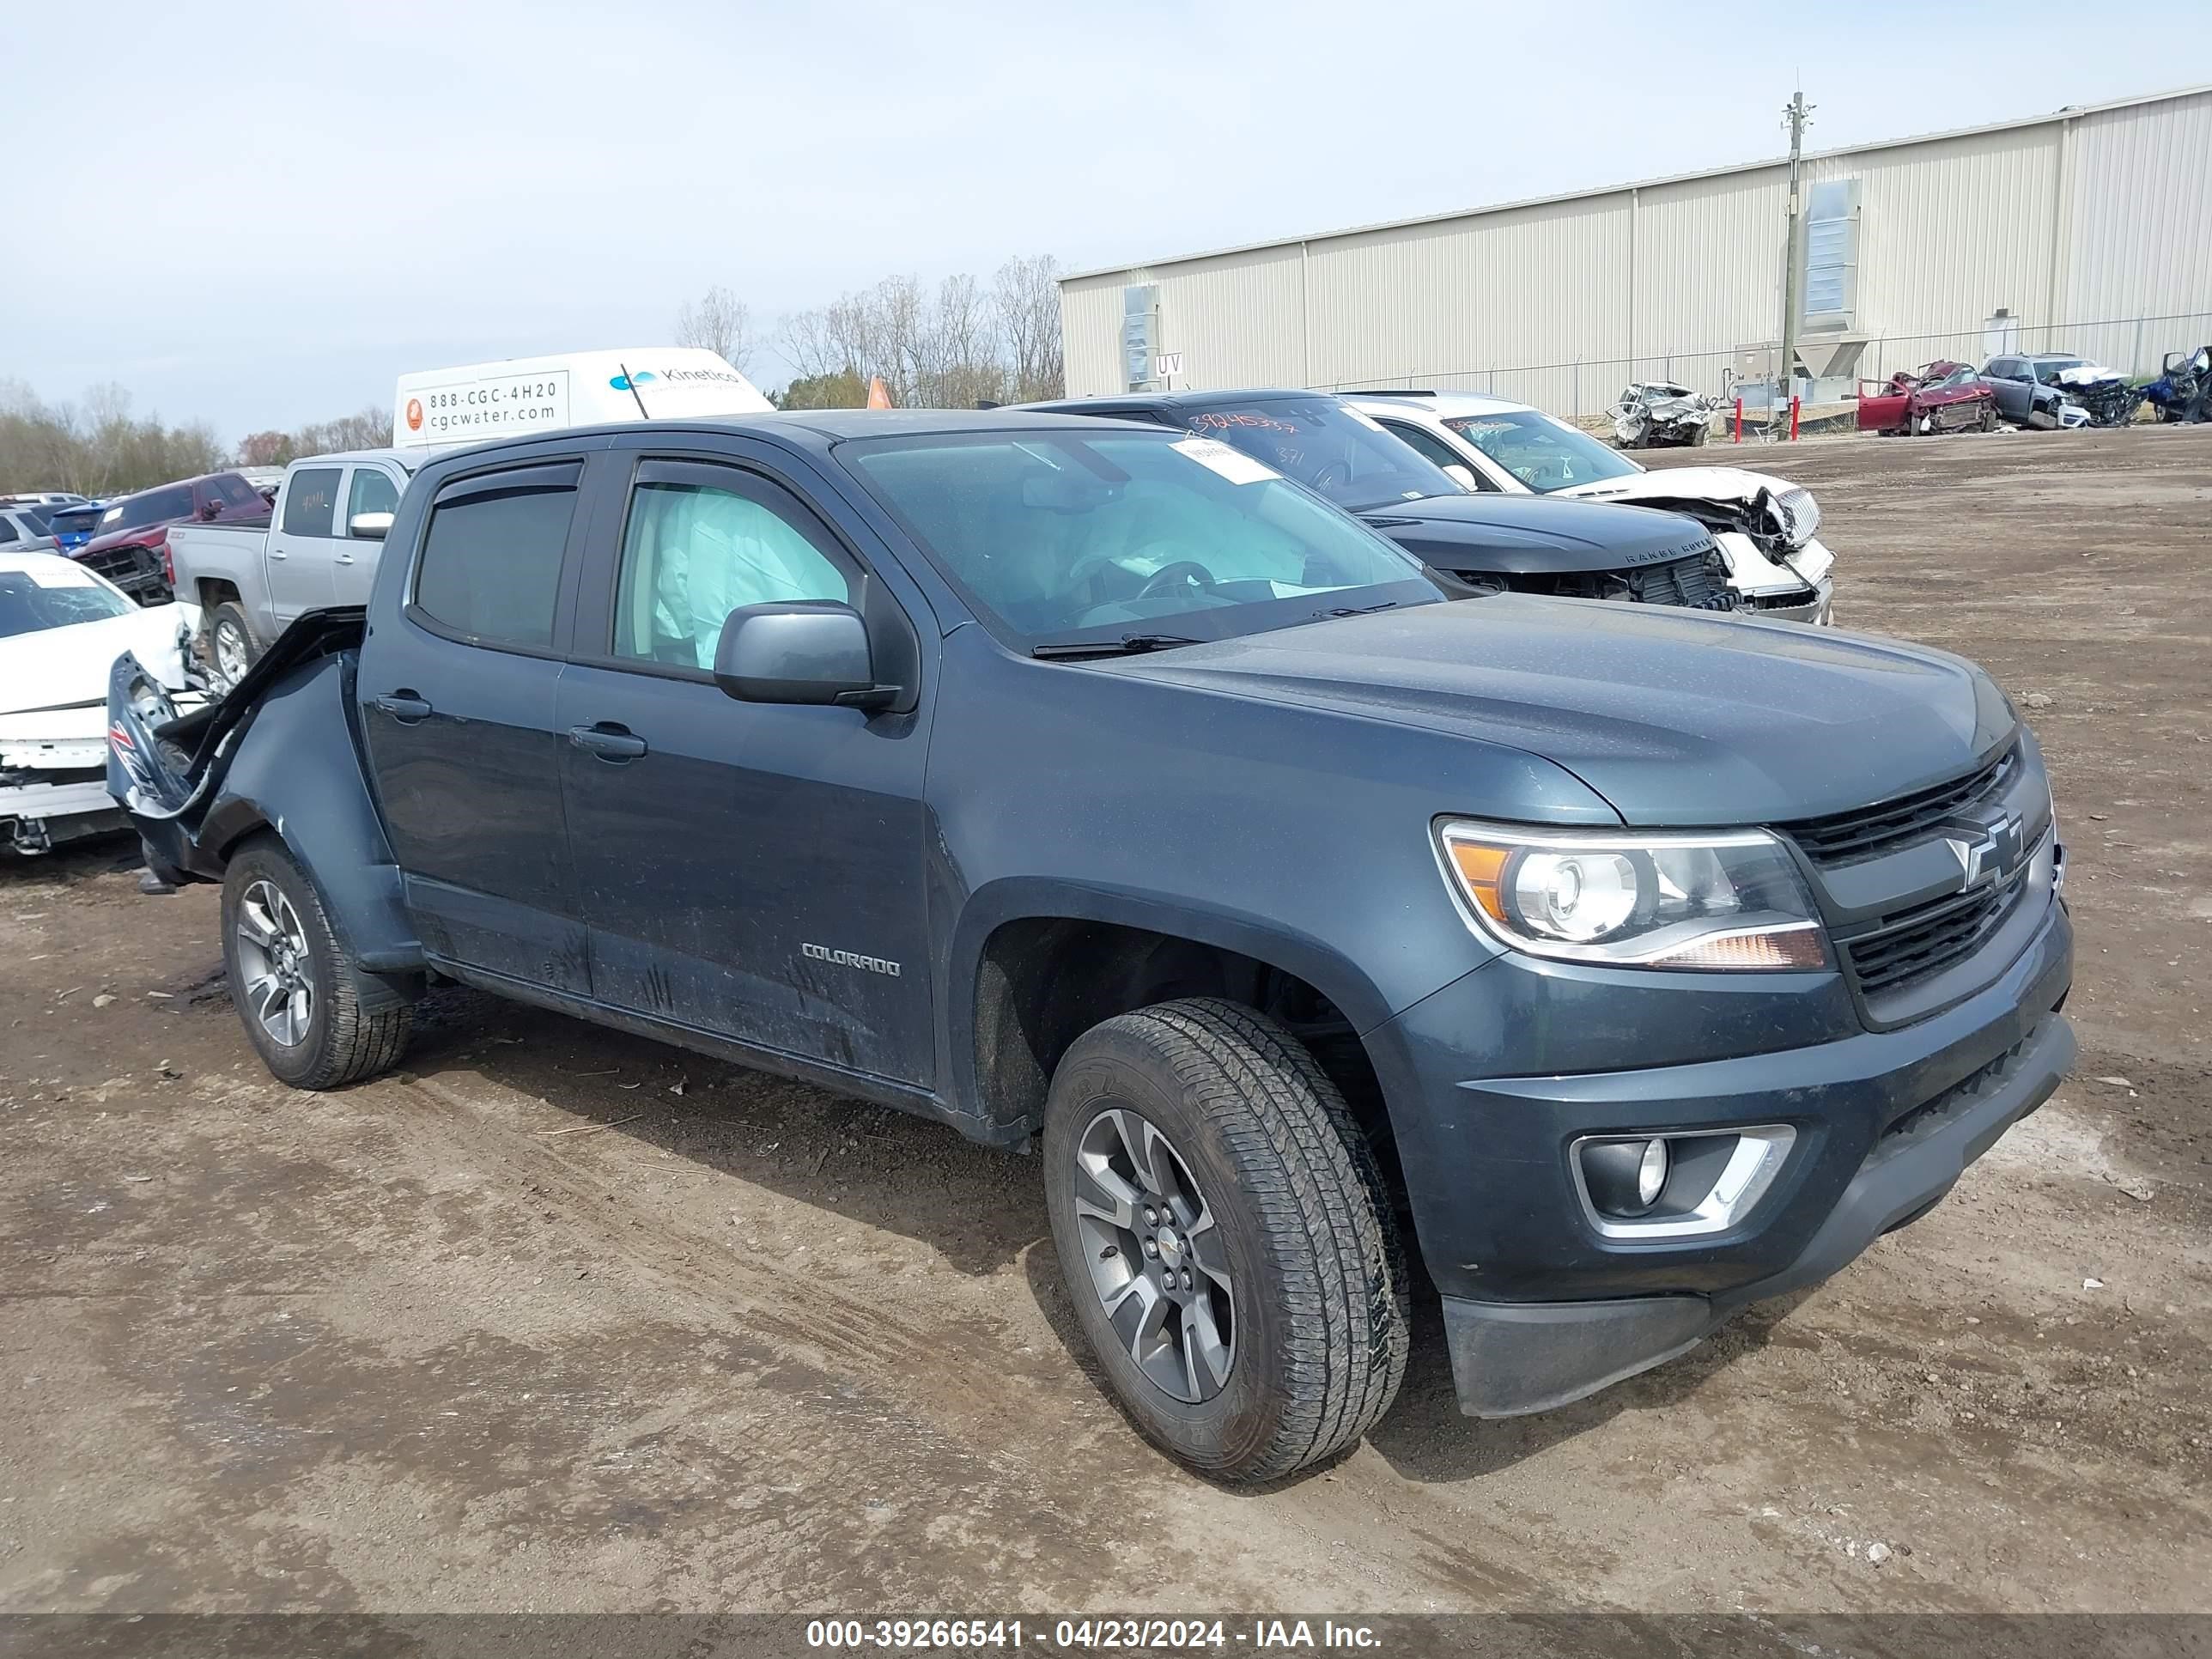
[[1034, 964], [298, 774]]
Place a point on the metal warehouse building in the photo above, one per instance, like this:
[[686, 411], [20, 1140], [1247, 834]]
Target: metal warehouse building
[[2088, 230]]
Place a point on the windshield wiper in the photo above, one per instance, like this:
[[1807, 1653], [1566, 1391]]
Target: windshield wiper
[[1354, 609], [1128, 645]]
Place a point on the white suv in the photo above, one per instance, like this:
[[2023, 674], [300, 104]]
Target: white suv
[[1765, 526]]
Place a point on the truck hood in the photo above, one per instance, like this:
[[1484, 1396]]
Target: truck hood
[[1732, 484], [1535, 534], [56, 669], [1674, 717]]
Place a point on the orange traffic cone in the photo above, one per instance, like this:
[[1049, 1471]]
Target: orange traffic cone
[[879, 395]]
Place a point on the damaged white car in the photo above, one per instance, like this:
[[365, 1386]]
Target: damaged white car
[[1767, 528], [61, 628]]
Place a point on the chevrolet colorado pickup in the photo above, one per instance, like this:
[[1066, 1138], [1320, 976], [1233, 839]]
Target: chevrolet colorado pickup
[[1094, 789]]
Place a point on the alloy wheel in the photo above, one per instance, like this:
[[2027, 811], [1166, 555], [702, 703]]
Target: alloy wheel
[[1156, 1257], [230, 654], [275, 963]]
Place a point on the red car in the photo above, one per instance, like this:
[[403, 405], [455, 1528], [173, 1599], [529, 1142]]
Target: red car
[[130, 544], [1944, 397]]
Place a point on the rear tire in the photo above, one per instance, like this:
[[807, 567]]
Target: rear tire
[[316, 1021], [231, 649], [1269, 1213]]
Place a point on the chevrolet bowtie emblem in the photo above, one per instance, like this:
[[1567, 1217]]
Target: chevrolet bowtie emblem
[[1992, 850]]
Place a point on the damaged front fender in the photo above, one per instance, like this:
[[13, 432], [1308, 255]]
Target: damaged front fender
[[281, 753]]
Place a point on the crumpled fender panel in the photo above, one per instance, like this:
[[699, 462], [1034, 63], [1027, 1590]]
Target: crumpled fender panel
[[281, 751]]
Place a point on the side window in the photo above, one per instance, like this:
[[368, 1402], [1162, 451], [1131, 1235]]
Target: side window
[[490, 569], [308, 500], [1432, 448], [692, 553], [7, 530], [371, 491]]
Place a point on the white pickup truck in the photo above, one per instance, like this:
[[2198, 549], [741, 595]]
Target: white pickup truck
[[317, 548]]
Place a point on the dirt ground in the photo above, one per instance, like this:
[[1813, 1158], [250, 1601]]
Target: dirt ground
[[558, 1320]]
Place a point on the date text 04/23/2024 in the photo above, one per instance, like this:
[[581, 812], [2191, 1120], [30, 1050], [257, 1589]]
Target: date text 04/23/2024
[[1112, 1635]]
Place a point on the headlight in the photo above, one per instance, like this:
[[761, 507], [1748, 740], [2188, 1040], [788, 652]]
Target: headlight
[[1708, 902], [1797, 516]]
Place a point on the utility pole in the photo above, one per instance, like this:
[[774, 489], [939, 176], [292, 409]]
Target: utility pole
[[1793, 117]]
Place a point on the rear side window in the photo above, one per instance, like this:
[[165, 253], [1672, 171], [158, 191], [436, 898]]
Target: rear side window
[[309, 502], [490, 570], [7, 529]]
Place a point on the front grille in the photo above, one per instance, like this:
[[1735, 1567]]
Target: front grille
[[1925, 941], [1693, 581], [137, 570], [119, 564], [1841, 836], [1698, 581]]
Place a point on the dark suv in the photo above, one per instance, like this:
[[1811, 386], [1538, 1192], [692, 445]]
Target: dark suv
[[1477, 543], [1067, 782], [130, 542]]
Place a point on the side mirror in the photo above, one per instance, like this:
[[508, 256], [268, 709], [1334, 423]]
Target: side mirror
[[800, 651], [1460, 474], [369, 526]]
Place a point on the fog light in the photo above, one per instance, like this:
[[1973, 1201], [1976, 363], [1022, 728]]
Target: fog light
[[1625, 1177]]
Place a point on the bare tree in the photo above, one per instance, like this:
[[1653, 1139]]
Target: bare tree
[[369, 428], [1025, 294], [722, 323]]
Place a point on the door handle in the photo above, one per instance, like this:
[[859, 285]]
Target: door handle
[[345, 558], [404, 706], [278, 553], [608, 740]]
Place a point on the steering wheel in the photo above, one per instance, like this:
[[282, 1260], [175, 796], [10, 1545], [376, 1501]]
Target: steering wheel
[[1330, 475], [1168, 575]]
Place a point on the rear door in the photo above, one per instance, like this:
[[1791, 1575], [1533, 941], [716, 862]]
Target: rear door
[[368, 489], [458, 703], [2008, 378], [299, 549], [752, 870]]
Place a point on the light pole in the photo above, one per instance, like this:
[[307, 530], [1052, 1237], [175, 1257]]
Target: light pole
[[1794, 114]]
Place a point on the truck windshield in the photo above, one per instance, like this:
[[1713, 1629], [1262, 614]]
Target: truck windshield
[[1058, 536], [1329, 447], [1542, 453], [31, 602]]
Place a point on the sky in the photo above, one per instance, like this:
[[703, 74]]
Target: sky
[[260, 215]]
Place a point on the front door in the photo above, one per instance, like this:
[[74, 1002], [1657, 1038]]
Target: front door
[[752, 870], [299, 546], [369, 488], [457, 707]]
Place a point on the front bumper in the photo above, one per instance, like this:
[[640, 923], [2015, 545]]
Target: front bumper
[[1541, 1306], [1815, 609], [35, 816], [1509, 1360]]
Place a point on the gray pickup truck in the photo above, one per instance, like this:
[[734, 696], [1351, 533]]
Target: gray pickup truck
[[1101, 793], [317, 548]]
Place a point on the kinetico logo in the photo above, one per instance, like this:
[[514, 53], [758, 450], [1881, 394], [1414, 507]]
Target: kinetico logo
[[625, 382]]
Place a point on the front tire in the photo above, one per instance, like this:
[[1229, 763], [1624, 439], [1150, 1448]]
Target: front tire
[[1221, 1229], [316, 1021]]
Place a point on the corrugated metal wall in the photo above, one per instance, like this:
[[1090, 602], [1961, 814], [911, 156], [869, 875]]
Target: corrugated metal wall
[[2070, 223]]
